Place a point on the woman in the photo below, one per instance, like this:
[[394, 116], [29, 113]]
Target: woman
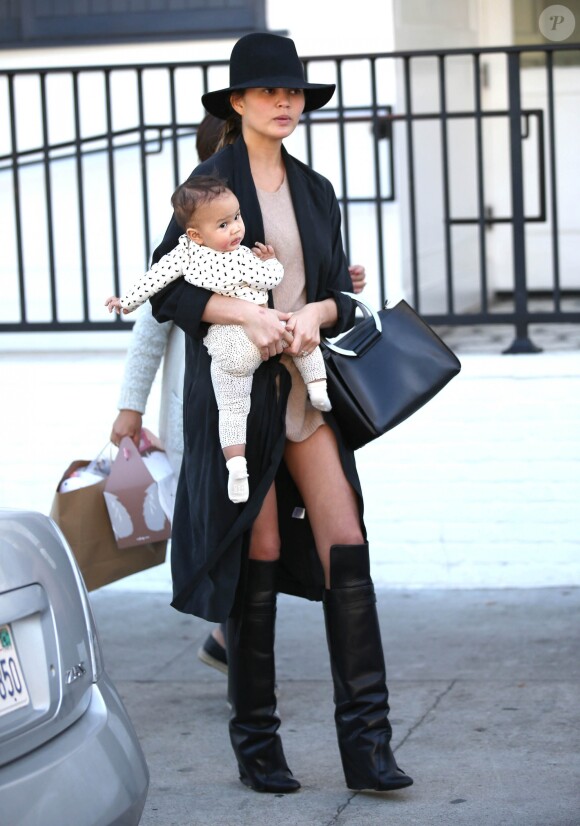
[[301, 531], [151, 344]]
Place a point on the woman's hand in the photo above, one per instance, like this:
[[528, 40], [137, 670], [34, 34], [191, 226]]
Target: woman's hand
[[305, 326], [264, 326], [128, 423], [268, 330], [358, 277]]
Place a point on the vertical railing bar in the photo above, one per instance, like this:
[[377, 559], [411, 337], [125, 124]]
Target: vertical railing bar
[[480, 182], [445, 176], [112, 193], [173, 107], [308, 138], [393, 193], [308, 128], [553, 181], [539, 119], [80, 198], [17, 203], [411, 178], [48, 195], [343, 169], [378, 201], [143, 157], [521, 343]]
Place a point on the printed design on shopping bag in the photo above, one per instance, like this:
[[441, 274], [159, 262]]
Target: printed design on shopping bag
[[153, 513], [138, 503]]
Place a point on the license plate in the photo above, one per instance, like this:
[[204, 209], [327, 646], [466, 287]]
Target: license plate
[[13, 691]]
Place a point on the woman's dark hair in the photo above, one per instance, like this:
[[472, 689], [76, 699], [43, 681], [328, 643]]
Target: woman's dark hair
[[195, 191], [231, 130], [208, 135]]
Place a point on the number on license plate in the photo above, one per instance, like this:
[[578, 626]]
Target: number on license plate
[[13, 691]]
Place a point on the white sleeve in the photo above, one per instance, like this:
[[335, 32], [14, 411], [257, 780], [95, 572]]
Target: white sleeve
[[169, 268], [146, 350], [263, 275]]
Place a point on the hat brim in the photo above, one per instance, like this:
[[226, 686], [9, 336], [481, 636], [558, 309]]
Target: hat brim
[[316, 95]]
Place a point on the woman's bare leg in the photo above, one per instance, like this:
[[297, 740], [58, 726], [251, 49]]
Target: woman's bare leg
[[358, 667], [330, 501], [265, 539]]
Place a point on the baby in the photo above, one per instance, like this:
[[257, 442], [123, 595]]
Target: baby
[[210, 255]]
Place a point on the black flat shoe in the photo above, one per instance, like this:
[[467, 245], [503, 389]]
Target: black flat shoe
[[213, 654]]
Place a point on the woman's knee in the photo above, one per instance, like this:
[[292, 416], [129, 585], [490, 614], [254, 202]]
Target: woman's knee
[[351, 536], [265, 541], [265, 538], [266, 549]]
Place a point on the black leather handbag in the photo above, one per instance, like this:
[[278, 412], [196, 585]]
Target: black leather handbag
[[384, 369]]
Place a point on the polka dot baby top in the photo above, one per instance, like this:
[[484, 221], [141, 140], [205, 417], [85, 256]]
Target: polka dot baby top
[[238, 273]]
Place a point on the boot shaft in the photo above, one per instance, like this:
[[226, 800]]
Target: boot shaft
[[358, 672], [349, 566], [251, 683]]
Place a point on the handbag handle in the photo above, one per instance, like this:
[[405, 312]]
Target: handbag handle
[[368, 312]]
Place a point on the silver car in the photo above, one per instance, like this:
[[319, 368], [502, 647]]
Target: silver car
[[68, 750]]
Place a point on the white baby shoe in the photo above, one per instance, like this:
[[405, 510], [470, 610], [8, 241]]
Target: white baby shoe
[[238, 485], [318, 395]]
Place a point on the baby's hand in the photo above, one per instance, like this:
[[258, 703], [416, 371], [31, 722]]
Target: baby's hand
[[114, 304], [263, 251]]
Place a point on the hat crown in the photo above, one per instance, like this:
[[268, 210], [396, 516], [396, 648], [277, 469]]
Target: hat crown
[[261, 55], [264, 60]]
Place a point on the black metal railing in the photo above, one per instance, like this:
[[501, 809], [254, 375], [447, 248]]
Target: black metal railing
[[412, 142]]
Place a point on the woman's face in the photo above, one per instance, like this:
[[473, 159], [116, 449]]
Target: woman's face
[[270, 113]]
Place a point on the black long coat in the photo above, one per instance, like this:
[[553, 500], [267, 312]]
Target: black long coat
[[210, 533]]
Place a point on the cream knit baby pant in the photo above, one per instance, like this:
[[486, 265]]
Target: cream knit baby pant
[[234, 360]]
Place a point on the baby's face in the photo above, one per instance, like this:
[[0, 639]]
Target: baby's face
[[219, 224]]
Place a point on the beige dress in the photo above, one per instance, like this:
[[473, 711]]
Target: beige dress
[[281, 231]]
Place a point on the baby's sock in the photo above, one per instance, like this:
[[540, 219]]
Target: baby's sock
[[318, 395], [238, 486]]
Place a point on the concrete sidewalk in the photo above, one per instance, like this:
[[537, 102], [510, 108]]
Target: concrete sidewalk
[[484, 696], [479, 489]]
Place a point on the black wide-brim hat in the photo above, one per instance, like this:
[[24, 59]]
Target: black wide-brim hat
[[269, 61]]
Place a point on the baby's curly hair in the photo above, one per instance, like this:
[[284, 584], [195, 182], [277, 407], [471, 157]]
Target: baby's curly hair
[[193, 193]]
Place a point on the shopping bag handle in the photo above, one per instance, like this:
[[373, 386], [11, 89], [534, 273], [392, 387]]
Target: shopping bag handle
[[368, 312], [101, 455]]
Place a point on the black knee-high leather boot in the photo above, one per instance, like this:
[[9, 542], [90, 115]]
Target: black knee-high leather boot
[[251, 685], [358, 672]]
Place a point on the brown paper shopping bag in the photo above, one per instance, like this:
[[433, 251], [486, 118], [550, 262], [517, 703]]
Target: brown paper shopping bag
[[83, 518]]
